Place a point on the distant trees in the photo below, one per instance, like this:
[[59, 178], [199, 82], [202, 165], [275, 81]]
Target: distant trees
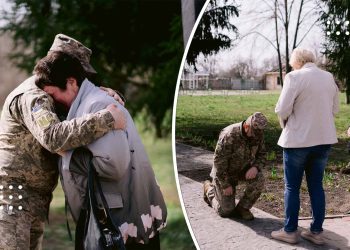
[[335, 19], [137, 45], [10, 76], [210, 37], [290, 27], [242, 69]]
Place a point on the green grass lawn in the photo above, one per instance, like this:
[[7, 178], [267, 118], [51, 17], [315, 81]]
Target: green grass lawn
[[199, 120], [174, 236]]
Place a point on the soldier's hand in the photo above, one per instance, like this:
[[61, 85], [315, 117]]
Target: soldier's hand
[[118, 115], [62, 153], [349, 131], [114, 94], [228, 191], [251, 173]]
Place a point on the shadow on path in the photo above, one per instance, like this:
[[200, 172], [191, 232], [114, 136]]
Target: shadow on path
[[213, 232], [264, 227]]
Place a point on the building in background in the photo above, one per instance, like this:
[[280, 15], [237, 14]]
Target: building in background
[[205, 81], [193, 81], [272, 80]]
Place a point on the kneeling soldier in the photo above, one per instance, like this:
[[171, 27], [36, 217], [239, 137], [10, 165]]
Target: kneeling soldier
[[239, 156]]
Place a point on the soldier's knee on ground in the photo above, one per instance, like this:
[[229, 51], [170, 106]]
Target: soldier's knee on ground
[[224, 207], [225, 213]]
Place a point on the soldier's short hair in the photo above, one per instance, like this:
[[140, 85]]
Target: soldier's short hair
[[257, 121], [69, 45], [56, 67]]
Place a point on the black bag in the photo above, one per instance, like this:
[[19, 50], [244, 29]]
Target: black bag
[[100, 231]]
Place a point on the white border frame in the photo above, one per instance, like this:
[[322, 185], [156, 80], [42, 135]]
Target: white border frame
[[176, 95]]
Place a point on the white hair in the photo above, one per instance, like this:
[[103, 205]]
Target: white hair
[[301, 56]]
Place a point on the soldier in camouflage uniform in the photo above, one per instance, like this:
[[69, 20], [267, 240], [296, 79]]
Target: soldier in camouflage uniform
[[30, 135], [239, 156]]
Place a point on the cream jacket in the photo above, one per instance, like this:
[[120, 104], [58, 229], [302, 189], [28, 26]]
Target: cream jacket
[[307, 106], [127, 178]]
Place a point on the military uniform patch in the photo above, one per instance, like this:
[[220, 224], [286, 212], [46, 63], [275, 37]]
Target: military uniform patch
[[43, 117]]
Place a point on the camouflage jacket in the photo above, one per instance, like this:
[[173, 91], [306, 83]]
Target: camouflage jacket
[[235, 153], [30, 135]]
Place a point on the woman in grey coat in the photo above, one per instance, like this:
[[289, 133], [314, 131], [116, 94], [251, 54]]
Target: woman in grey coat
[[120, 159]]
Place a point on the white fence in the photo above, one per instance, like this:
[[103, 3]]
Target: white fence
[[221, 84]]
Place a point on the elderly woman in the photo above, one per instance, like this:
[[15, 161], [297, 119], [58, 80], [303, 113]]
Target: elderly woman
[[128, 182], [306, 109]]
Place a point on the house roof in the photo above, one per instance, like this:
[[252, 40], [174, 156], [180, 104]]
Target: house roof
[[274, 73], [277, 70]]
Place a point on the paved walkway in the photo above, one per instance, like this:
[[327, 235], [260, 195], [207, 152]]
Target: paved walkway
[[214, 232]]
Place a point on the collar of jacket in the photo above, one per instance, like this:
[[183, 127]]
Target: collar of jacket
[[242, 131], [84, 89], [308, 65]]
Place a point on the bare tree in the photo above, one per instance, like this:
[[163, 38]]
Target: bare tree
[[270, 63], [243, 68], [206, 64], [278, 48], [283, 15]]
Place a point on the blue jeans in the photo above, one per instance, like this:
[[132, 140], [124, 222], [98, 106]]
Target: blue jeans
[[313, 161]]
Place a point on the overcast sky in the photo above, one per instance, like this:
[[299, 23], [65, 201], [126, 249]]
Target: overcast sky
[[256, 16], [4, 5]]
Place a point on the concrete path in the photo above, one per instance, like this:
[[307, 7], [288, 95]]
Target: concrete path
[[213, 232]]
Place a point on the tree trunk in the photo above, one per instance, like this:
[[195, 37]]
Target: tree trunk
[[297, 25], [278, 46], [286, 26]]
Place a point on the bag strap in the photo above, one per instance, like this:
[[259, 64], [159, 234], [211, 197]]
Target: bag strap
[[67, 222], [108, 224]]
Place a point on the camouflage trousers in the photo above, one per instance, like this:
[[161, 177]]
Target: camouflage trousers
[[20, 231], [225, 204]]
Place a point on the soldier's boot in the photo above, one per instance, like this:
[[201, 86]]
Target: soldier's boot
[[206, 186], [243, 213]]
